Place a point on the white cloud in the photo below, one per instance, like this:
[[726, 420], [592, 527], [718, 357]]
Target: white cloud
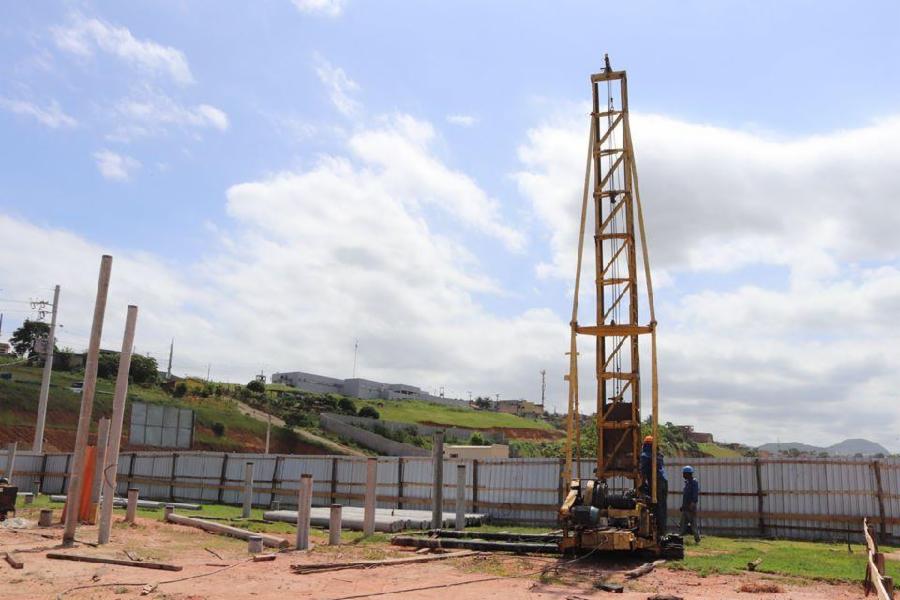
[[340, 87], [793, 344], [51, 115], [462, 120], [152, 113], [82, 36], [328, 8], [400, 150], [115, 167]]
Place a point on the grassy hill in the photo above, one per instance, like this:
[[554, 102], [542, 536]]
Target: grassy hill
[[413, 411], [19, 409]]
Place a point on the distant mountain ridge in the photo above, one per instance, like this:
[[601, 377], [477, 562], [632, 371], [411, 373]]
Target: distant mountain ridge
[[849, 447]]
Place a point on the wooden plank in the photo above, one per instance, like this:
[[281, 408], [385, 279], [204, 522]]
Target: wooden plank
[[13, 561], [114, 561], [617, 330]]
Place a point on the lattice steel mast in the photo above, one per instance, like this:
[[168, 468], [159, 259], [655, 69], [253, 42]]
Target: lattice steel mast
[[616, 214]]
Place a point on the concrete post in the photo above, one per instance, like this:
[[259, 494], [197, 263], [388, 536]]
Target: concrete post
[[131, 507], [460, 496], [248, 490], [46, 518], [268, 430], [11, 459], [334, 525], [371, 489], [168, 509], [111, 464], [437, 481], [255, 544], [87, 403], [304, 507], [99, 459], [37, 445]]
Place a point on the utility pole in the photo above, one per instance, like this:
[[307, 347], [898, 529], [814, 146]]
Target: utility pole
[[37, 445], [208, 367], [169, 370], [543, 387], [355, 353]]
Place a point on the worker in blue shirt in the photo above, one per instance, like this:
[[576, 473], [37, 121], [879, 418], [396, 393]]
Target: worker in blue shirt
[[689, 499], [662, 485]]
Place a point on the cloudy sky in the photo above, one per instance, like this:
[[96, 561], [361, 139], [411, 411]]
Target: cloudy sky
[[278, 179]]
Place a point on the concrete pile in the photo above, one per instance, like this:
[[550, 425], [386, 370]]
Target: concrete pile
[[387, 520]]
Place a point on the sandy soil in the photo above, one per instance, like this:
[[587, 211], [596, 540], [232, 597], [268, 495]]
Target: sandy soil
[[500, 577]]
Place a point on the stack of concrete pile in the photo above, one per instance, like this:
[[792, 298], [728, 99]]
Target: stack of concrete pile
[[386, 519]]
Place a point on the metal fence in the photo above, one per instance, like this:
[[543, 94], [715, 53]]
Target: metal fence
[[776, 497]]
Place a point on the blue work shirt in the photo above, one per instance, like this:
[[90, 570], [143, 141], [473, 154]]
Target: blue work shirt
[[647, 463], [691, 492]]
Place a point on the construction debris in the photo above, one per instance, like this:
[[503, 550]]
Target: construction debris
[[664, 597], [751, 566], [486, 541], [368, 564], [13, 561], [114, 561], [643, 569], [264, 558], [268, 540], [615, 588]]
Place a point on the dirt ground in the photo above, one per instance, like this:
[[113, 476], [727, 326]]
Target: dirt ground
[[233, 576]]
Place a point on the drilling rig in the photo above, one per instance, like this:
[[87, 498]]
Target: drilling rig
[[613, 507]]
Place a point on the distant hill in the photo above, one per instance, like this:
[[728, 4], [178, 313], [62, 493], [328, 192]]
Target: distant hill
[[846, 448]]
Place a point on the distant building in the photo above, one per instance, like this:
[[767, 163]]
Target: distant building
[[359, 388], [4, 348], [477, 452], [522, 408], [698, 437]]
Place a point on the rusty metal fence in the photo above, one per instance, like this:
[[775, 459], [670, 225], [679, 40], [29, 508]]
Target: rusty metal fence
[[775, 497]]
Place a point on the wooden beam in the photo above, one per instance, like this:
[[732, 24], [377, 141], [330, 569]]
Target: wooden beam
[[616, 330], [607, 76], [114, 561]]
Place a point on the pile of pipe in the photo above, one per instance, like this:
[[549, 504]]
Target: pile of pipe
[[387, 520], [141, 503]]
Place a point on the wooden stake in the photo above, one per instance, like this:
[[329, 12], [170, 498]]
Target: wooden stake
[[114, 561]]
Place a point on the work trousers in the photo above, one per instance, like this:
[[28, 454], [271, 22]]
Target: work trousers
[[690, 523]]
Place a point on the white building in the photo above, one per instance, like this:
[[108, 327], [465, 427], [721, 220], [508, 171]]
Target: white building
[[359, 388]]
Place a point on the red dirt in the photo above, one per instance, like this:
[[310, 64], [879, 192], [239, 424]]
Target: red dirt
[[503, 576]]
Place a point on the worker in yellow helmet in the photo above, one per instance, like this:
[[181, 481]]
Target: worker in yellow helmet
[[662, 485]]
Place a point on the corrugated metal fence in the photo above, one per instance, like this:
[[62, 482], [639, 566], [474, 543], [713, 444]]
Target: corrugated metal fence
[[779, 497]]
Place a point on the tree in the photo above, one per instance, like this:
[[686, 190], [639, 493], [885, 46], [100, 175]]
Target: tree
[[180, 389], [346, 406], [369, 412], [256, 386], [482, 403], [24, 337], [476, 439], [143, 369]]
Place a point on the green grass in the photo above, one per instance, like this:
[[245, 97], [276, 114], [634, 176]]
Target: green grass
[[717, 451], [413, 411], [808, 560]]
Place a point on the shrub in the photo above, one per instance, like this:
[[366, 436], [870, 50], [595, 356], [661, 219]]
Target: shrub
[[346, 406], [256, 386], [476, 439], [180, 389], [369, 412], [218, 429]]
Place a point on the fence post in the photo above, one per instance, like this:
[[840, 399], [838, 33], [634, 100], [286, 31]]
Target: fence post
[[759, 498], [43, 472], [879, 494], [334, 479], [334, 525], [437, 481], [248, 490], [274, 482], [10, 459], [400, 483], [172, 477], [222, 476], [128, 483], [475, 485], [304, 502], [460, 496], [65, 479]]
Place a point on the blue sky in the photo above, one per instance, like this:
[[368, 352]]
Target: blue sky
[[170, 133]]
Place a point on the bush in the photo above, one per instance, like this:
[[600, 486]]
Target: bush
[[476, 439], [346, 406], [180, 389], [218, 429], [256, 386], [369, 412]]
